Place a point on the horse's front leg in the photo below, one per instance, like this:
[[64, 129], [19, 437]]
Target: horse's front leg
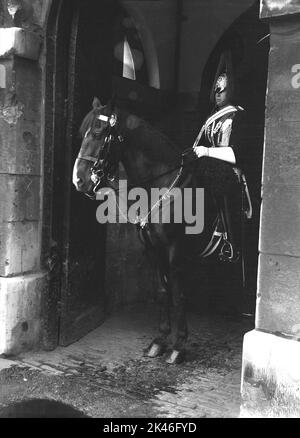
[[179, 302], [159, 345]]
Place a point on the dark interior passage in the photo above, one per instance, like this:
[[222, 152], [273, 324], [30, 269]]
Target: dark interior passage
[[102, 50]]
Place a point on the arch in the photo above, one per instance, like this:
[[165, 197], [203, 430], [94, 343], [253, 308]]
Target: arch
[[245, 45]]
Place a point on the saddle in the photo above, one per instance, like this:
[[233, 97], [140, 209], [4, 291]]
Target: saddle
[[222, 237], [221, 178]]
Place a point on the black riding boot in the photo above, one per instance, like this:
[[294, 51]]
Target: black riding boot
[[231, 212]]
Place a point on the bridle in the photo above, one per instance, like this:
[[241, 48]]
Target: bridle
[[98, 169]]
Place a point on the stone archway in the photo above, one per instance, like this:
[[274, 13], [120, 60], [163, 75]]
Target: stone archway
[[271, 359]]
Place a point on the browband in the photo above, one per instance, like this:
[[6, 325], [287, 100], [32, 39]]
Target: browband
[[103, 118], [112, 120]]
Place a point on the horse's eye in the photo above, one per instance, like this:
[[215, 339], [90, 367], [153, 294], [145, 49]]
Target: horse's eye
[[98, 124]]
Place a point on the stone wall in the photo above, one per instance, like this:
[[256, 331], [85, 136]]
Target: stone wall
[[21, 279], [272, 358], [28, 14]]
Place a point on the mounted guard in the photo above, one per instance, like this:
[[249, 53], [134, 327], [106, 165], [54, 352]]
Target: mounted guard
[[224, 137]]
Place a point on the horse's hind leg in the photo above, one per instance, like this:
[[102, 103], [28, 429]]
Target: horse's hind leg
[[177, 354], [158, 346]]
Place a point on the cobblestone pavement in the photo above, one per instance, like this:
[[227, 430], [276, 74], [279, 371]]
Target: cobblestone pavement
[[108, 365]]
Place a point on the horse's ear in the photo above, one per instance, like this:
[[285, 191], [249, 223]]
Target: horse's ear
[[96, 103], [112, 102]]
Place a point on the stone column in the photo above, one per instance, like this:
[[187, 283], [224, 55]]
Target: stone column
[[21, 279], [271, 353]]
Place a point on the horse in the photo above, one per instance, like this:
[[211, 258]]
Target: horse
[[111, 134]]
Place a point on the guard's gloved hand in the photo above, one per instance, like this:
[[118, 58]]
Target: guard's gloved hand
[[200, 151]]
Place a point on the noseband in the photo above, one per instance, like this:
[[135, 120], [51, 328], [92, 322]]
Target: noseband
[[98, 168]]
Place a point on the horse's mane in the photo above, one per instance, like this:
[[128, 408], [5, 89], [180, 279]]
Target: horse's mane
[[88, 122], [156, 145]]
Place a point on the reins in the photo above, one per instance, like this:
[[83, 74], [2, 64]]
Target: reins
[[181, 167]]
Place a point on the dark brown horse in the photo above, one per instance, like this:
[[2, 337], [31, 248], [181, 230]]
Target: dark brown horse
[[112, 135]]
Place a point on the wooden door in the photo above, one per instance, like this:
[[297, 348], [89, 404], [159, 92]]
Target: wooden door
[[81, 239]]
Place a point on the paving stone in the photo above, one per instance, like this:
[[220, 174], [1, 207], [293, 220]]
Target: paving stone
[[202, 388], [33, 363], [51, 370], [5, 363]]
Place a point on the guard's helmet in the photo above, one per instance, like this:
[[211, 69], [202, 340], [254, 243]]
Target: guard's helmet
[[222, 83]]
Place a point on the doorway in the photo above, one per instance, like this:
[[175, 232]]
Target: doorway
[[80, 65]]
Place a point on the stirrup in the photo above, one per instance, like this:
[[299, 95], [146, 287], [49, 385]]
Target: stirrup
[[228, 253]]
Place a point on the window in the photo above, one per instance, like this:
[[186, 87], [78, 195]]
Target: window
[[128, 62], [129, 57]]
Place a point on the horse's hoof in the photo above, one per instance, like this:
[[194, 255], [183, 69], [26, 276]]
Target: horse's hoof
[[155, 350], [176, 357]]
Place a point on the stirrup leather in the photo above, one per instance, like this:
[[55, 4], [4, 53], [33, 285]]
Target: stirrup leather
[[214, 242], [220, 239]]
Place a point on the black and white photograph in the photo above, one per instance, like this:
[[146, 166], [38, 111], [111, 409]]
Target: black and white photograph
[[149, 212]]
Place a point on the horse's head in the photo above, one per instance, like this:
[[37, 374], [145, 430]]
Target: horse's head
[[99, 155]]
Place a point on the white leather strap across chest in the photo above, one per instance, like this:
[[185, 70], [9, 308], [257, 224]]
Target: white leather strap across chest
[[219, 114]]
